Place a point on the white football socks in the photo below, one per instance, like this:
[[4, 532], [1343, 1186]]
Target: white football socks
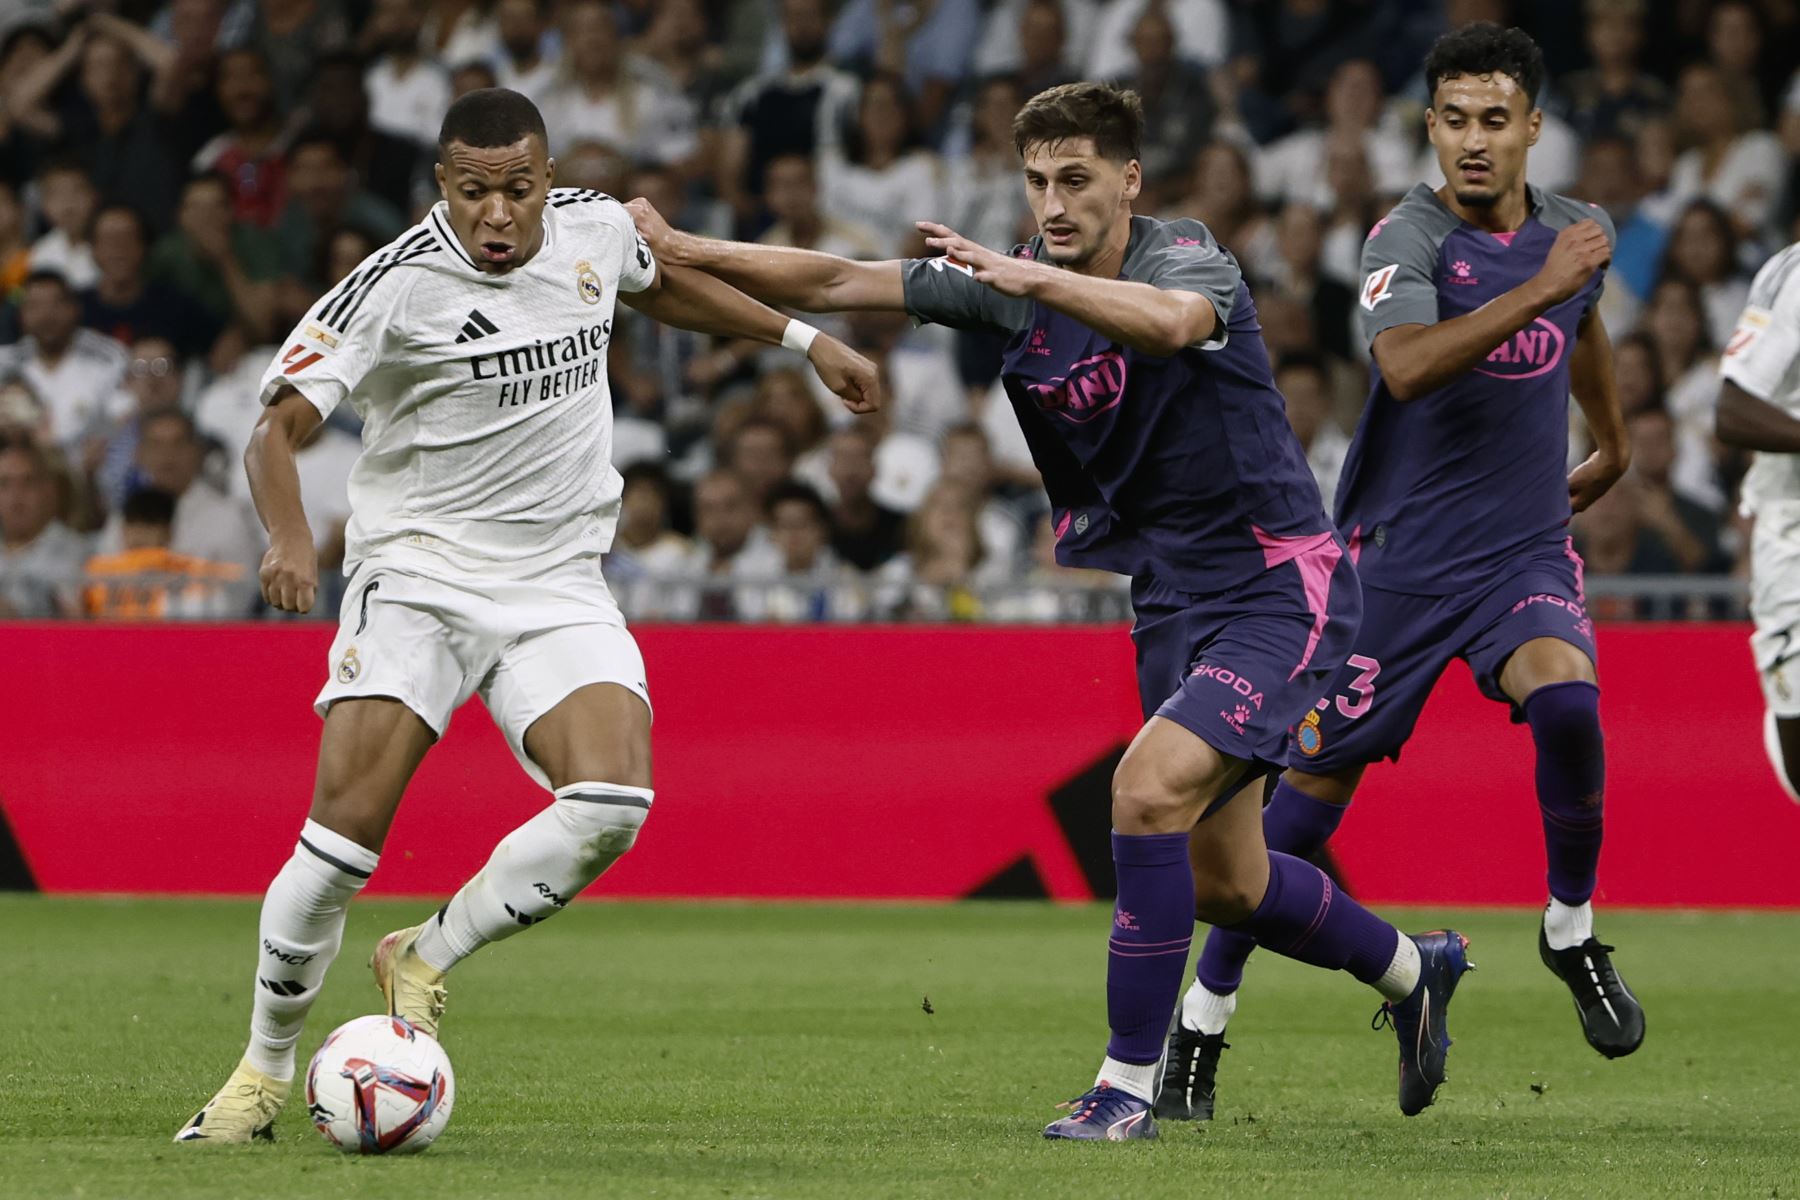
[[1567, 925], [302, 925], [1206, 1011], [1402, 975], [1138, 1079], [537, 869]]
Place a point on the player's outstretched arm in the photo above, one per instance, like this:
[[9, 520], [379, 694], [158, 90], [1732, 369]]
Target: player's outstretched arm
[[290, 568], [1591, 379], [803, 279], [1418, 359], [695, 300], [1149, 319]]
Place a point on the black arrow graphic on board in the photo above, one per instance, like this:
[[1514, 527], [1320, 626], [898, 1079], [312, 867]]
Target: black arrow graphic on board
[[1082, 805], [15, 872]]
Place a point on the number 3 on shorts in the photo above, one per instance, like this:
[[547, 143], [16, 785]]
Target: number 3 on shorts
[[1363, 685]]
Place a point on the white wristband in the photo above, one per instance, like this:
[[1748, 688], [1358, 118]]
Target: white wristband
[[798, 336]]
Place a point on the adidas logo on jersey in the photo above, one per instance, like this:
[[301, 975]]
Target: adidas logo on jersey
[[477, 326]]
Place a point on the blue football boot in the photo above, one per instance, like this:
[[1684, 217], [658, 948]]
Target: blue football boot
[[1421, 1021], [1104, 1114]]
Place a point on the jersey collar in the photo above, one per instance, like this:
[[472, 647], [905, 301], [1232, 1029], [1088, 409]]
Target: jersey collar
[[439, 221], [1535, 199]]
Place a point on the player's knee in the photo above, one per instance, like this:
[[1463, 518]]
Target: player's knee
[[1142, 802], [356, 812], [1223, 899], [603, 818], [1565, 719]]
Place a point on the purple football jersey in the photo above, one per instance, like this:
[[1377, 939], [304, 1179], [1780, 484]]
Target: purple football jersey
[[1182, 467], [1440, 492]]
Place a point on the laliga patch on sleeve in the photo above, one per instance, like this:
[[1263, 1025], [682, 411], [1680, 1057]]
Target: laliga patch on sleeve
[[1376, 287], [944, 260], [1750, 326], [299, 357]]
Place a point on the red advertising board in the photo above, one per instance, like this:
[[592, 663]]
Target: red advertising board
[[860, 762]]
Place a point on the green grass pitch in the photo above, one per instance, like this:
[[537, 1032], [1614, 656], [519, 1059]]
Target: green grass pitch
[[742, 1051]]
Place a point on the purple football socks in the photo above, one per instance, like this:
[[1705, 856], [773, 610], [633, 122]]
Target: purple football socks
[[1153, 926], [1571, 777], [1293, 823]]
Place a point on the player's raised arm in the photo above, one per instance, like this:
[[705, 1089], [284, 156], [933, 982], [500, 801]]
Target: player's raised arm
[[803, 279], [696, 300], [1421, 357], [1596, 391], [1153, 318], [290, 568]]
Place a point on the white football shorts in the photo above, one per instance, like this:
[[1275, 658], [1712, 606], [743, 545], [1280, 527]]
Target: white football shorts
[[432, 641], [1775, 604]]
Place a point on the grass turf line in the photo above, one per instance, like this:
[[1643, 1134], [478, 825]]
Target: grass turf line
[[785, 1051]]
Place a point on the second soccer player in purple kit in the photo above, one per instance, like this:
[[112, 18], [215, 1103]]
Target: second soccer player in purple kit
[[1478, 302]]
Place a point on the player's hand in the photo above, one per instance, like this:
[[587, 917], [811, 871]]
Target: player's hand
[[1580, 250], [1593, 478], [290, 574], [847, 373], [1005, 274], [667, 243]]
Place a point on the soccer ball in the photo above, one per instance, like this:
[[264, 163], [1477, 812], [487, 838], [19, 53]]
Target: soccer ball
[[380, 1086]]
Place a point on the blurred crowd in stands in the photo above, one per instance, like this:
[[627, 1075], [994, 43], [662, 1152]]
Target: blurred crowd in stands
[[179, 181]]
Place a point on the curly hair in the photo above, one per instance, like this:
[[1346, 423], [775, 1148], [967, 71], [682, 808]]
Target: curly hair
[[1486, 49]]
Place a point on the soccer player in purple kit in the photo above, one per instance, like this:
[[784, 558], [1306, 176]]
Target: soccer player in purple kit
[[1137, 370], [1479, 304]]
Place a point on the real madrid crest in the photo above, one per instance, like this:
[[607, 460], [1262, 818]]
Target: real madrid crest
[[587, 283], [350, 667]]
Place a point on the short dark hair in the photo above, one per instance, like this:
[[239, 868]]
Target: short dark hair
[[34, 453], [491, 117], [138, 220], [651, 472], [758, 421], [1303, 360], [209, 179], [46, 275], [791, 491], [1113, 117], [1486, 49], [64, 164], [148, 506], [316, 135], [189, 428]]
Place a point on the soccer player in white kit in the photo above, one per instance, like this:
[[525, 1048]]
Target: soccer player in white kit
[[474, 349], [1759, 409]]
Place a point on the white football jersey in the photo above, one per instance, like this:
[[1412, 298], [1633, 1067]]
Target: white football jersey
[[1763, 358], [487, 420]]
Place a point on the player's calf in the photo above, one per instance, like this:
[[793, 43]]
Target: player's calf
[[301, 928], [537, 869]]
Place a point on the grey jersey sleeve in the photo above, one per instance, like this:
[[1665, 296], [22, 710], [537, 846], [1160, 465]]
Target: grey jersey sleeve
[[1560, 212], [1183, 256], [1399, 262], [941, 292]]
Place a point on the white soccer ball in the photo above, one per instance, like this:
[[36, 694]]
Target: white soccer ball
[[380, 1086]]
